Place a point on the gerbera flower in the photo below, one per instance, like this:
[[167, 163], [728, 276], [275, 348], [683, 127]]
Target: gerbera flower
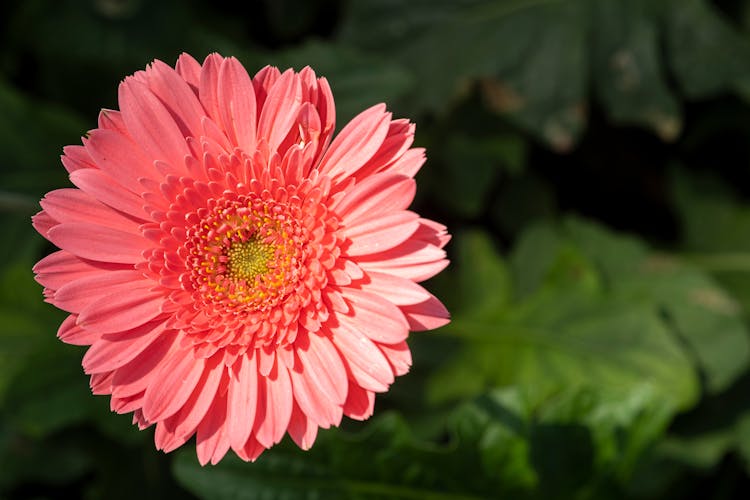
[[237, 274]]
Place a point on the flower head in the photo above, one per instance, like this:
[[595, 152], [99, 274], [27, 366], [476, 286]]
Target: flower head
[[237, 273]]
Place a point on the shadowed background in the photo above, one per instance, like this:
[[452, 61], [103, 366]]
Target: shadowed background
[[591, 159]]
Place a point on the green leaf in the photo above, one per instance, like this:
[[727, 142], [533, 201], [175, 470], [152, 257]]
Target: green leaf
[[383, 461], [533, 59], [700, 442], [550, 37], [629, 75], [471, 167], [706, 54], [572, 442], [691, 303], [597, 310], [713, 223], [511, 44], [509, 444], [482, 275], [743, 438], [535, 251], [712, 219]]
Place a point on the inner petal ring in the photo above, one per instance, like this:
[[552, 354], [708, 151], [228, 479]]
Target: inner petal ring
[[245, 254]]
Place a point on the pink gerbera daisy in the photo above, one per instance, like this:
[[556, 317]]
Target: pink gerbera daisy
[[238, 275]]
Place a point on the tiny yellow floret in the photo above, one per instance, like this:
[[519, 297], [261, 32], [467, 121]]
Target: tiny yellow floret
[[249, 259]]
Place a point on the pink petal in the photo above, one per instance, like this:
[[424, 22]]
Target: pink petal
[[177, 97], [413, 259], [293, 165], [374, 316], [109, 119], [238, 112], [212, 441], [61, 267], [208, 86], [360, 403], [280, 109], [101, 383], [400, 291], [417, 272], [302, 137], [251, 451], [313, 402], [399, 356], [124, 405], [243, 399], [76, 158], [266, 360], [380, 233], [42, 222], [327, 112], [139, 420], [102, 187], [356, 143], [309, 121], [73, 205], [150, 124], [400, 137], [99, 243], [189, 69], [120, 158], [273, 422], [302, 429], [368, 366], [263, 81], [322, 365], [107, 355], [374, 196], [72, 333], [309, 85], [426, 315], [173, 384], [136, 375], [76, 295], [122, 311], [164, 436], [409, 164], [432, 232], [184, 423]]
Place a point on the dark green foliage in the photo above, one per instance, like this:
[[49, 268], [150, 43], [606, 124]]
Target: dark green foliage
[[591, 159]]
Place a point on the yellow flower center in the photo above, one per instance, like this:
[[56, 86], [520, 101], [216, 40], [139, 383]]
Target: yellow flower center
[[248, 259], [245, 254]]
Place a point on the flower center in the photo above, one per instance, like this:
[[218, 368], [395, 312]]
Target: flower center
[[248, 259], [245, 254]]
